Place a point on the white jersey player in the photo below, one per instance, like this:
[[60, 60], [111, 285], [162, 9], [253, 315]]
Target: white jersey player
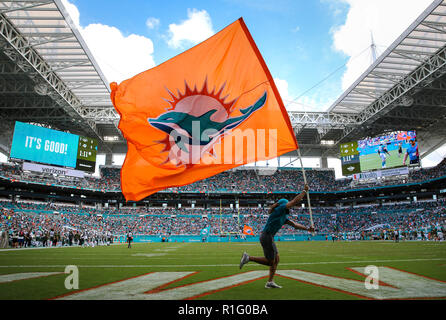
[[382, 154], [440, 233]]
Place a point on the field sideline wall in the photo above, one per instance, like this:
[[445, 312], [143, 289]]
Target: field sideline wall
[[215, 238]]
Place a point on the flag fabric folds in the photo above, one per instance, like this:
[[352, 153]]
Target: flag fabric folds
[[209, 109], [248, 230]]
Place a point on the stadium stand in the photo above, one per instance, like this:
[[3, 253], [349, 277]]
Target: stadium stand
[[41, 223], [282, 180]]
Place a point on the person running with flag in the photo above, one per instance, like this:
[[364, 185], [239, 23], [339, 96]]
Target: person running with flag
[[278, 217]]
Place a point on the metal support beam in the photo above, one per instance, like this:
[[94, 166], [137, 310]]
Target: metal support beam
[[424, 74], [16, 87], [24, 55], [321, 119], [24, 102]]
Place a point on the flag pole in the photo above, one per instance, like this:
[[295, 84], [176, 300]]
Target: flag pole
[[308, 193], [238, 219], [220, 219], [238, 222]]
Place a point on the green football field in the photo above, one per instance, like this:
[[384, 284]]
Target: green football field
[[373, 161], [307, 270]]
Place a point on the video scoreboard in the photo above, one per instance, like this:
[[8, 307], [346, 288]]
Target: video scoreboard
[[86, 154], [391, 150], [48, 146], [350, 158]]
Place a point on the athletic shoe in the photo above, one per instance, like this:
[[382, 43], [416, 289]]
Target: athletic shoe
[[244, 260], [272, 285]]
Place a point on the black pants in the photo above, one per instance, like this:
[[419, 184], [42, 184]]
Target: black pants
[[268, 245]]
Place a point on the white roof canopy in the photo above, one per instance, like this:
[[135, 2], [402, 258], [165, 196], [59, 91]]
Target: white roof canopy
[[420, 41], [51, 33]]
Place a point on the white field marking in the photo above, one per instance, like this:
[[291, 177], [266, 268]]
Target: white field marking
[[24, 276], [166, 250], [206, 286], [410, 285], [134, 288], [57, 255], [407, 285], [127, 289], [219, 265], [40, 248], [36, 248], [148, 254], [207, 254], [157, 257]]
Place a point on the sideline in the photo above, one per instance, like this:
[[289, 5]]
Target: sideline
[[218, 265], [38, 248]]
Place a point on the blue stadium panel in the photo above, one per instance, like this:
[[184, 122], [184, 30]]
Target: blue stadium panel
[[44, 145]]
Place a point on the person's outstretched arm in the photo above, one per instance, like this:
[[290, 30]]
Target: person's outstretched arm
[[274, 206], [297, 199], [299, 226]]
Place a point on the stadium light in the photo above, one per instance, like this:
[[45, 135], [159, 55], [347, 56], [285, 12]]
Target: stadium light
[[41, 89], [111, 138], [407, 101]]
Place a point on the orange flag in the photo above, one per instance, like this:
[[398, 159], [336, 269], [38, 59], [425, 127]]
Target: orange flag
[[248, 230], [209, 109]]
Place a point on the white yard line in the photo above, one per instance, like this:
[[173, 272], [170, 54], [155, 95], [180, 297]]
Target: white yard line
[[221, 265], [39, 248], [135, 288], [34, 248], [76, 246], [23, 276], [146, 255]]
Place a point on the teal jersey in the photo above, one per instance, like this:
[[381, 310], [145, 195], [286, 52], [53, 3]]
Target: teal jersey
[[277, 218]]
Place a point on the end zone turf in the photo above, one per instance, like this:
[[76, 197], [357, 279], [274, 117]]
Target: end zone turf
[[210, 271]]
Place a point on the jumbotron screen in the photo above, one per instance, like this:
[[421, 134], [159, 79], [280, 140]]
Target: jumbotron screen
[[42, 145], [392, 150]]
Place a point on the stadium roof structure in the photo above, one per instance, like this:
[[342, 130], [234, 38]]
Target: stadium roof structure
[[404, 89], [49, 76], [47, 73]]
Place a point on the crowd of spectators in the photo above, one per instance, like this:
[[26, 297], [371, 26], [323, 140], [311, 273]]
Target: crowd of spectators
[[40, 224], [33, 223], [14, 172], [429, 173], [235, 180], [26, 229]]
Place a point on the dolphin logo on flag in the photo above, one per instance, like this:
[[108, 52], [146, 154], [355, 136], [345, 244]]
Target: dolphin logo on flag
[[198, 118]]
